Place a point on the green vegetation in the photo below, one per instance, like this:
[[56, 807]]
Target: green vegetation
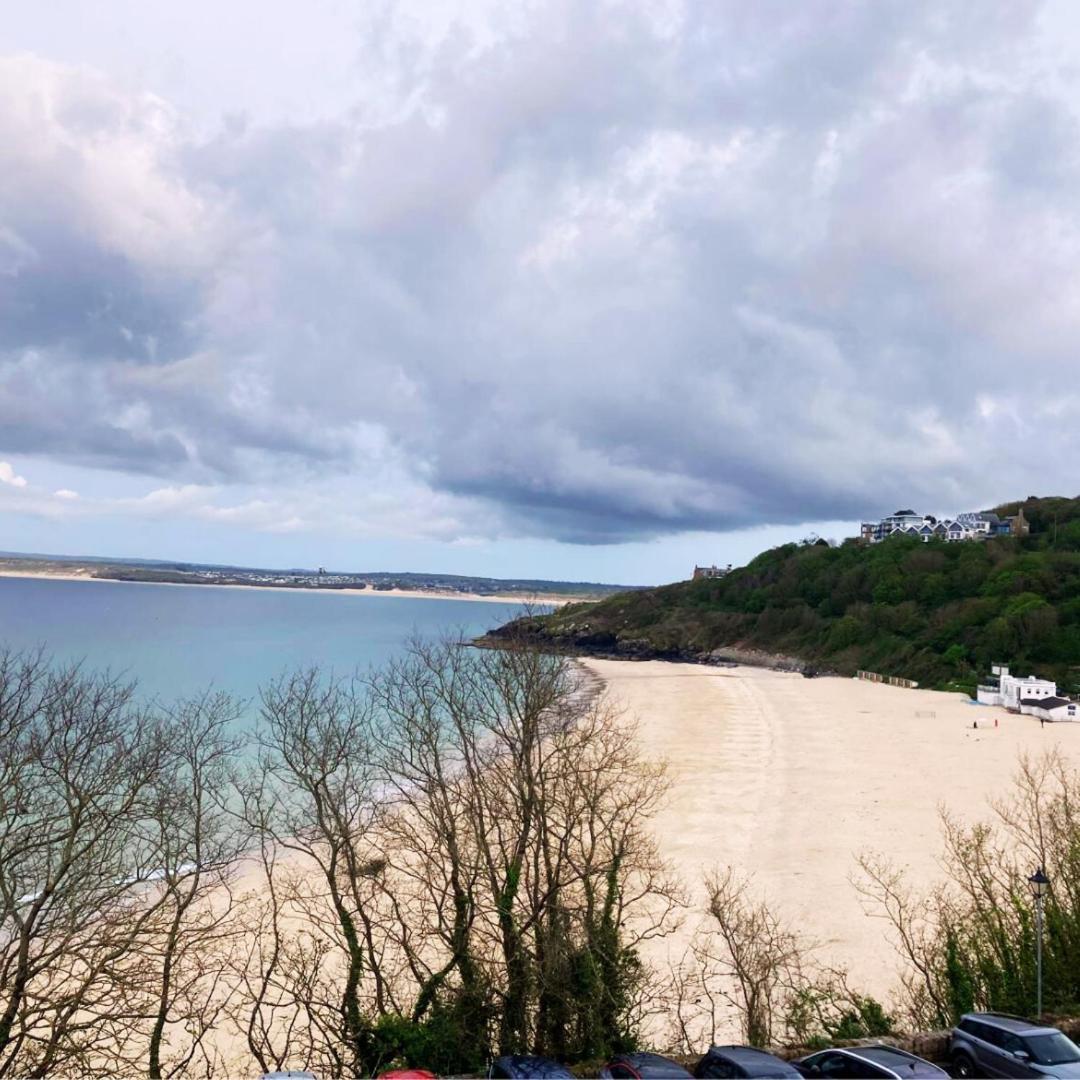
[[938, 613]]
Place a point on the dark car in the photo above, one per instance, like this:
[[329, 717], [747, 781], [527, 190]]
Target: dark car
[[996, 1044], [643, 1067], [869, 1063], [739, 1061], [523, 1066]]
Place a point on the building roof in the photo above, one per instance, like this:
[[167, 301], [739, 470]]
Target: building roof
[[1054, 702]]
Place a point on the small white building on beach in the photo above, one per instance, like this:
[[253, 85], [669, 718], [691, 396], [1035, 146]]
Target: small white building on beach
[[1054, 708], [1009, 690]]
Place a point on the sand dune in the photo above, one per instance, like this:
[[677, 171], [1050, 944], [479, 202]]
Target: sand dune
[[790, 778]]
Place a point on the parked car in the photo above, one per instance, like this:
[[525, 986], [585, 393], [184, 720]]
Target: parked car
[[995, 1044], [524, 1066], [868, 1063], [740, 1061], [643, 1067]]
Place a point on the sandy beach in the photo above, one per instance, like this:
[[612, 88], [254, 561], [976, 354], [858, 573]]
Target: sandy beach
[[406, 594], [790, 778]]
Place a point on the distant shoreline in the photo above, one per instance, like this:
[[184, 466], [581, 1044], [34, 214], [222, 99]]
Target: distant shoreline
[[402, 594]]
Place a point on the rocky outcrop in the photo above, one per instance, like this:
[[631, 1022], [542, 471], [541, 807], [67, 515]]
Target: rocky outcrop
[[580, 638]]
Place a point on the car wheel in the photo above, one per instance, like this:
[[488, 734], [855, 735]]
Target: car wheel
[[963, 1067]]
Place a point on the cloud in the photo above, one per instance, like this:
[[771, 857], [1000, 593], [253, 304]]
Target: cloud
[[317, 511], [595, 275], [10, 477]]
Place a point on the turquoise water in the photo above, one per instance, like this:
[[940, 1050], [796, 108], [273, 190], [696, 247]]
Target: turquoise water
[[180, 640]]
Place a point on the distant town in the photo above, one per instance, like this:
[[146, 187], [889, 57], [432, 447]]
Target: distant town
[[318, 579]]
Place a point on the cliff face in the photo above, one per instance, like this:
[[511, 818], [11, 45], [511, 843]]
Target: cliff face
[[938, 613]]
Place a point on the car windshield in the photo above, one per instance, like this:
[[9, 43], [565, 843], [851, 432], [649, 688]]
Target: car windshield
[[1055, 1049]]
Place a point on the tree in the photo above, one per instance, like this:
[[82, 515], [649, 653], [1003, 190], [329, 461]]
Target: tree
[[452, 856], [748, 958], [78, 761], [520, 806], [197, 839], [315, 798]]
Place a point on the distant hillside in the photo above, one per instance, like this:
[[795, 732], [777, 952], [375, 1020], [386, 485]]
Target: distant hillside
[[939, 613]]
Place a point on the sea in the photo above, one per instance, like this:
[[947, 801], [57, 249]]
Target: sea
[[176, 641]]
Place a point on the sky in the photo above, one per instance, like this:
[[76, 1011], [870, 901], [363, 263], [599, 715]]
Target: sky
[[590, 291]]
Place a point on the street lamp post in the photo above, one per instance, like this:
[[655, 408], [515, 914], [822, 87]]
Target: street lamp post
[[1039, 883]]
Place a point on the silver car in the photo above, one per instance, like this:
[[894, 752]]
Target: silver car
[[996, 1044], [879, 1062]]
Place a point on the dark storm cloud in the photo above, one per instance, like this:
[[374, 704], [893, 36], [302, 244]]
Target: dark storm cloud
[[596, 274], [96, 303]]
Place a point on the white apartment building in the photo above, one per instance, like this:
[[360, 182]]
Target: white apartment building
[[977, 525], [1009, 690]]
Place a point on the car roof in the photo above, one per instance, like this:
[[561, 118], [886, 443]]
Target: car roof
[[884, 1053], [735, 1051], [532, 1065], [752, 1058], [1007, 1022], [892, 1057], [887, 1057], [644, 1059]]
